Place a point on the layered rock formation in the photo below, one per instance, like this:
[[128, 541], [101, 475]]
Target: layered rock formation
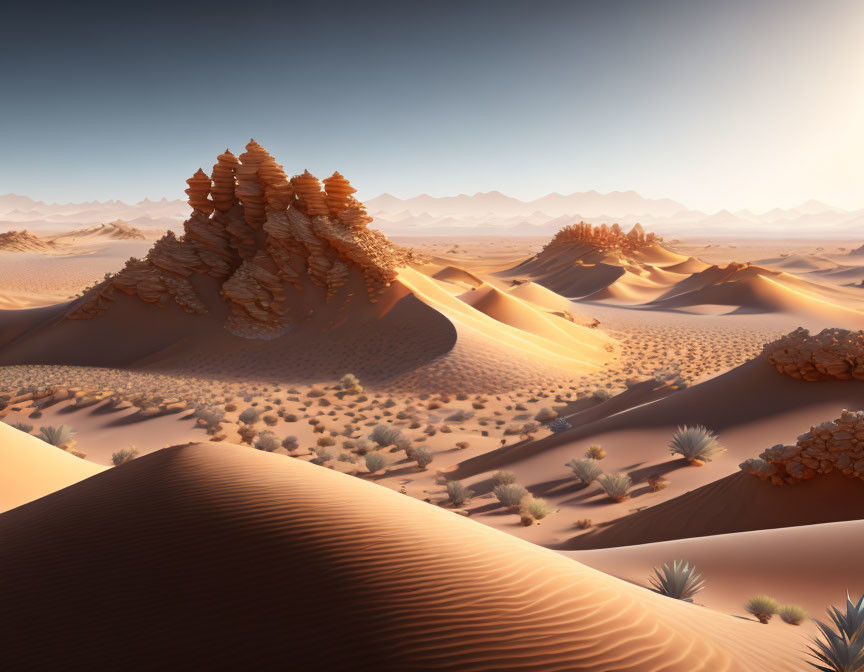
[[23, 241], [837, 444], [832, 354], [603, 237], [263, 237]]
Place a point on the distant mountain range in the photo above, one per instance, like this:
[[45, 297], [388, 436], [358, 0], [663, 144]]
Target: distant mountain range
[[493, 213], [21, 212], [490, 213]]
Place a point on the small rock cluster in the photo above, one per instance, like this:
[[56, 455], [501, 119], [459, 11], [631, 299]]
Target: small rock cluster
[[262, 235], [832, 354], [837, 444], [603, 237]]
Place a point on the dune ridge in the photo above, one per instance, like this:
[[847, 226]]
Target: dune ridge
[[261, 549]]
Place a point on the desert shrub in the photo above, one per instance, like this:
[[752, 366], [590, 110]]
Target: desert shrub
[[56, 436], [510, 494], [679, 580], [583, 523], [290, 417], [385, 435], [792, 614], [595, 452], [375, 462], [270, 420], [290, 443], [503, 477], [601, 394], [326, 441], [762, 607], [696, 444], [534, 507], [347, 457], [249, 416], [585, 469], [210, 415], [460, 416], [839, 645], [615, 485], [457, 493], [267, 441], [559, 426], [124, 455], [656, 483], [528, 430], [422, 456], [322, 454], [22, 427], [546, 414]]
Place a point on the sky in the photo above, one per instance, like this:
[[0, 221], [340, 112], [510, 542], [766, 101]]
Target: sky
[[717, 104]]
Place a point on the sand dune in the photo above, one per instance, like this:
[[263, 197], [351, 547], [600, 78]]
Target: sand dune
[[116, 230], [457, 275], [31, 468], [812, 565], [264, 553], [736, 503]]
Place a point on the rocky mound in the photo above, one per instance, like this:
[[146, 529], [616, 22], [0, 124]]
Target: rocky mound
[[116, 230], [832, 354], [264, 237], [836, 444], [222, 557], [603, 238], [582, 260], [23, 241]]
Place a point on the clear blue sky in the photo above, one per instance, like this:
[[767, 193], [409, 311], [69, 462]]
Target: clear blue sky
[[739, 103]]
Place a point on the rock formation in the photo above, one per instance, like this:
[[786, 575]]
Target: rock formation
[[832, 354], [23, 241], [263, 237], [837, 444], [603, 237]]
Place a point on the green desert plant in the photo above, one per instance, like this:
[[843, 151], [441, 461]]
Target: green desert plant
[[422, 456], [615, 485], [585, 469], [375, 462], [458, 493], [595, 452], [697, 445], [503, 477], [22, 426], [839, 645], [762, 607], [56, 436], [792, 614], [124, 455], [510, 494], [385, 435], [679, 580], [267, 441], [249, 416], [534, 507]]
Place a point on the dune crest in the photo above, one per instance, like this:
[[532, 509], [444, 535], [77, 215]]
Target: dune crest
[[23, 241], [367, 579]]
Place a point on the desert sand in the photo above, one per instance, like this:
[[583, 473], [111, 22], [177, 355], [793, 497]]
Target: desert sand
[[374, 376]]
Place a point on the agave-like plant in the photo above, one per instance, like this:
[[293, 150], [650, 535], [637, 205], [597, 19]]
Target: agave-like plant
[[585, 469], [56, 436], [679, 580], [696, 444], [841, 647], [615, 485]]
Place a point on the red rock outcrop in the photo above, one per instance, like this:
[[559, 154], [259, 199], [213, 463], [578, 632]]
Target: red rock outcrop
[[603, 237], [264, 237], [832, 354], [837, 444]]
